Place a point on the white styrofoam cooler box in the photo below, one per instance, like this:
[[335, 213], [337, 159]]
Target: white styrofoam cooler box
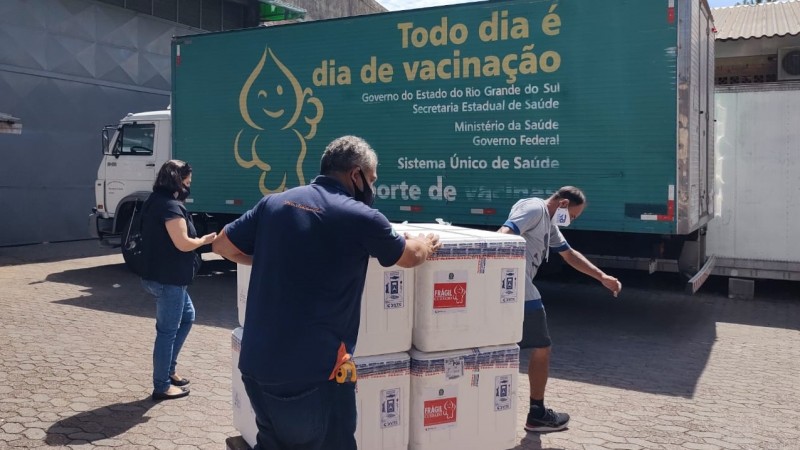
[[244, 419], [242, 283], [464, 399], [471, 292], [387, 308], [382, 399]]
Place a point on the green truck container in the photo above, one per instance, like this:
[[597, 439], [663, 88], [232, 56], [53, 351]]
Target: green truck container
[[471, 107]]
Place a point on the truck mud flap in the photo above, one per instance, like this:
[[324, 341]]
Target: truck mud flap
[[694, 283]]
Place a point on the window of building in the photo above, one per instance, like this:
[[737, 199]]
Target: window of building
[[166, 9], [210, 15], [142, 6], [190, 13], [233, 16]]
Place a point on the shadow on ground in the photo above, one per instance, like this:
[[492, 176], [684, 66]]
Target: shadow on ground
[[654, 338], [533, 441], [54, 251], [113, 288], [98, 424]]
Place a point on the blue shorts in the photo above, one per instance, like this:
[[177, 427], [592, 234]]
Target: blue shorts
[[535, 333]]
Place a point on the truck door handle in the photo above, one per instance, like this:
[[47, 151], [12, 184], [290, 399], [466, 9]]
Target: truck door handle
[[150, 164]]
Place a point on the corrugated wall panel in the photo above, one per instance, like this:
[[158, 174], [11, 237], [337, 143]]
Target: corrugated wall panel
[[693, 188], [694, 118]]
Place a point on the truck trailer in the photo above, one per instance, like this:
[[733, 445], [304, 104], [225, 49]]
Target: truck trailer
[[469, 107], [758, 182]]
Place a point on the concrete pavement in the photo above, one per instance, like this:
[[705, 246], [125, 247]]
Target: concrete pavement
[[651, 370]]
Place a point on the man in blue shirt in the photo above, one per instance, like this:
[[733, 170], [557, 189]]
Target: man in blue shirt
[[538, 221], [309, 248]]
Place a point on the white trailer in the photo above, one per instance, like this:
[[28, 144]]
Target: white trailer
[[755, 233]]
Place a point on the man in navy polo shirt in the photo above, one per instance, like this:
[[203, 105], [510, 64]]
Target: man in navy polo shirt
[[309, 248]]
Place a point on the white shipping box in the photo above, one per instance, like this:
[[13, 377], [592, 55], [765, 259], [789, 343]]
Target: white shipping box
[[387, 308], [242, 283], [471, 292], [382, 399], [464, 399], [244, 418]]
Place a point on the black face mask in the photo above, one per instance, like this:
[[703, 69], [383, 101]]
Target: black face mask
[[184, 193], [366, 196]]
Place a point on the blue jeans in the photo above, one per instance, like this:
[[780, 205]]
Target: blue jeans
[[303, 416], [174, 317]]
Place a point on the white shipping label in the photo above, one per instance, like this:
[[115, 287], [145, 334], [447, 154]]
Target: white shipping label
[[440, 407], [508, 285], [393, 293], [502, 392], [390, 408], [454, 367]]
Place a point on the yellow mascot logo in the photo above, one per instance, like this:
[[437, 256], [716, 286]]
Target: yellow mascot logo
[[273, 115]]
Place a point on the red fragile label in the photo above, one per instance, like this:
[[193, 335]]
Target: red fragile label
[[440, 411], [449, 295]]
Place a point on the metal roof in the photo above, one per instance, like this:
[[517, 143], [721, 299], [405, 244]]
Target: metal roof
[[756, 21]]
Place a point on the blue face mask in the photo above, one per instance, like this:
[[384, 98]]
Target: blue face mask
[[365, 196]]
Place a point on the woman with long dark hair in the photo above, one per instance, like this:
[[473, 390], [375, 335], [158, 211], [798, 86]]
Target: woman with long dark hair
[[169, 244]]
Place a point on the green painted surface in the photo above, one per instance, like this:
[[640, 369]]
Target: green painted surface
[[254, 109]]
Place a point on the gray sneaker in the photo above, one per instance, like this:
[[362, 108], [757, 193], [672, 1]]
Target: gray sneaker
[[551, 421]]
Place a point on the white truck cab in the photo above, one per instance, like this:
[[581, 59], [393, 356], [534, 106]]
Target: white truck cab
[[133, 152]]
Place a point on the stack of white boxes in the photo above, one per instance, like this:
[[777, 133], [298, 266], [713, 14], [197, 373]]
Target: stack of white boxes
[[382, 364], [468, 313], [463, 311]]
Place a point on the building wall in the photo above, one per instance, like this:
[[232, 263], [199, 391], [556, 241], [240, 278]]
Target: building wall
[[70, 67], [67, 68], [337, 8]]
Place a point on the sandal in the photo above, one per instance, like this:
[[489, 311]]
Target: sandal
[[179, 383], [165, 396]]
